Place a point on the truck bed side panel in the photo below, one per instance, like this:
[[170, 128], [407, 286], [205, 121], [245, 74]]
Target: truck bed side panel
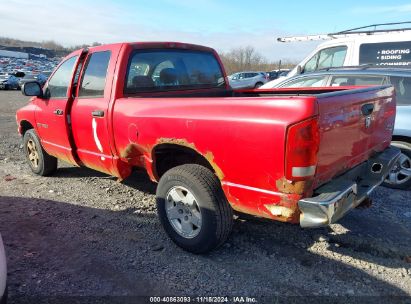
[[242, 138]]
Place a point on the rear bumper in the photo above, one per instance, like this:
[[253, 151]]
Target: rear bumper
[[334, 199]]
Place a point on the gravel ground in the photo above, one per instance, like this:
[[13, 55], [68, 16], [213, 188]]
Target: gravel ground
[[82, 233]]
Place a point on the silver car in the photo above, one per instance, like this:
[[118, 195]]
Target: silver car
[[400, 177], [8, 82], [247, 80], [27, 78], [3, 274]]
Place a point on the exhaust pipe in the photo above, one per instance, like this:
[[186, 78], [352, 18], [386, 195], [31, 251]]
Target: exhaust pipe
[[376, 168]]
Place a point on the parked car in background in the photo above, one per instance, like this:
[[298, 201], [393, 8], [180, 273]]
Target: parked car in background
[[274, 74], [400, 177], [27, 78], [3, 274], [8, 82], [247, 80], [43, 76]]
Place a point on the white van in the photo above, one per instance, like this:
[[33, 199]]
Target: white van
[[389, 48]]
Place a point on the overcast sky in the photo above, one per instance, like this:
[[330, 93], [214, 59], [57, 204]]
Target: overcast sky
[[216, 23]]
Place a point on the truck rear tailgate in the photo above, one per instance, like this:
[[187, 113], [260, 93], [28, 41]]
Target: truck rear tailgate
[[353, 125]]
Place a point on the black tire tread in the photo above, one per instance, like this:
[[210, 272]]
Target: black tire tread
[[49, 163], [407, 150], [211, 184]]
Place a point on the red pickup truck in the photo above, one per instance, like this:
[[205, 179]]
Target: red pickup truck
[[294, 155]]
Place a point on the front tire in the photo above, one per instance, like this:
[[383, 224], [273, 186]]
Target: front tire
[[400, 175], [193, 209], [39, 161]]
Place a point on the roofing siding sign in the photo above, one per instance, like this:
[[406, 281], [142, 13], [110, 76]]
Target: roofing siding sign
[[386, 54]]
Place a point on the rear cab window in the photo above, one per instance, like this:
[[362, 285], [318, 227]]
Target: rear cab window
[[159, 70], [386, 54]]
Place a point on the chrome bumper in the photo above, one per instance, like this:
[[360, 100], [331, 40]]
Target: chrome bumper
[[334, 199]]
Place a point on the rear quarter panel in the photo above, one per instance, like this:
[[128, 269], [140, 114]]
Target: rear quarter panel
[[242, 138]]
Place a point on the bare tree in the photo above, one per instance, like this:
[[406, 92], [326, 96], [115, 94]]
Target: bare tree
[[247, 58]]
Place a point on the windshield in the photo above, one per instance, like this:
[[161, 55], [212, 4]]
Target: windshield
[[165, 70]]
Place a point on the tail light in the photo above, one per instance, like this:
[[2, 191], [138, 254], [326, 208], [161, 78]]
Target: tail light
[[303, 141]]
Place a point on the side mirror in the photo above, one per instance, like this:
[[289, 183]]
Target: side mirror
[[32, 88], [299, 69]]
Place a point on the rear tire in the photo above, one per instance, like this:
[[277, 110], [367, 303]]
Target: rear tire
[[400, 176], [191, 196], [39, 161], [258, 84]]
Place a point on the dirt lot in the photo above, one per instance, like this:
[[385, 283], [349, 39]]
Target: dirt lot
[[82, 233]]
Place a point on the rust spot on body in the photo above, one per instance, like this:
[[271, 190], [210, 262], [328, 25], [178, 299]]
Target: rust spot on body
[[209, 156], [176, 141], [280, 210], [131, 151], [291, 187]]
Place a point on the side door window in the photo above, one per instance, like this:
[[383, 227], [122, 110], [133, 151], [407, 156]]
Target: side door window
[[315, 81], [326, 58], [235, 77], [248, 79], [311, 64], [60, 81], [94, 78]]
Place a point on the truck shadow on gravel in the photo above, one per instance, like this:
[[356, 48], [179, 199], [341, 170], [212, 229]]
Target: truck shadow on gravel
[[138, 179], [363, 234], [58, 248], [78, 172]]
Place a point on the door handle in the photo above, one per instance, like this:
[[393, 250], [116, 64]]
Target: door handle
[[97, 113], [367, 109], [58, 112]]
